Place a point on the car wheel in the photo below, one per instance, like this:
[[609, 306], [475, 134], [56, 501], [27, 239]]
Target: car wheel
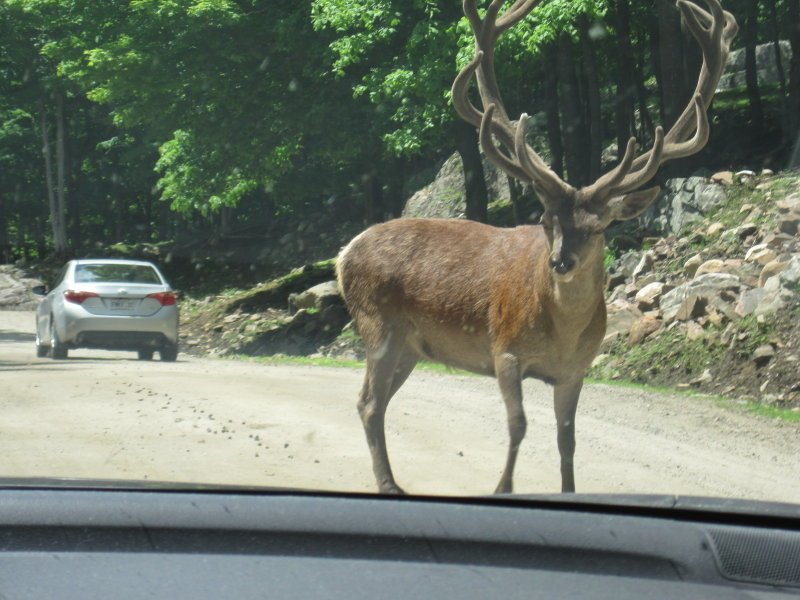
[[145, 354], [169, 353], [57, 350], [41, 349]]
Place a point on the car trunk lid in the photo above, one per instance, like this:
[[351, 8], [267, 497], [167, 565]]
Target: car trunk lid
[[129, 299]]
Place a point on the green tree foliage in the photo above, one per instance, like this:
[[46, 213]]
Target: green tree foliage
[[275, 106], [403, 55]]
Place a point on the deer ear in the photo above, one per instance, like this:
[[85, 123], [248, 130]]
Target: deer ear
[[632, 205]]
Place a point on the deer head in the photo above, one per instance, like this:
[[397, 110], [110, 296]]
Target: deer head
[[574, 219]]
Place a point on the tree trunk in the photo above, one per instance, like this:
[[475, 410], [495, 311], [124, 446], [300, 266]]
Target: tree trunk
[[551, 109], [793, 21], [225, 219], [477, 196], [670, 42], [373, 207], [756, 112], [119, 219], [646, 126], [55, 220], [61, 164], [775, 31], [395, 195], [593, 99], [573, 123], [5, 247], [626, 88]]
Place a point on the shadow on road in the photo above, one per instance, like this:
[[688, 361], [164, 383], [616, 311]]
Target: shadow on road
[[46, 364], [16, 336]]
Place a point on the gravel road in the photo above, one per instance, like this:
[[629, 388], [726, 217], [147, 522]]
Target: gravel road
[[108, 415]]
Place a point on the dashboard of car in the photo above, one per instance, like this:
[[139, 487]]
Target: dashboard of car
[[88, 543]]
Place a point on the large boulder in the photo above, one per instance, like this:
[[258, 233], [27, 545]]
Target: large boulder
[[317, 297], [766, 66], [445, 198], [683, 202], [15, 289]]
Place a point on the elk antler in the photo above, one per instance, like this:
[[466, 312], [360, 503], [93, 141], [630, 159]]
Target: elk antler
[[522, 162], [714, 32]]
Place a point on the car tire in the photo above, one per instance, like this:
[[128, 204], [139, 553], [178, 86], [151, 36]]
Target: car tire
[[169, 353], [57, 350], [145, 354], [41, 349]]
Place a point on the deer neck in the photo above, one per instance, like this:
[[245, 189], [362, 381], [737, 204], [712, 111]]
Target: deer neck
[[576, 300]]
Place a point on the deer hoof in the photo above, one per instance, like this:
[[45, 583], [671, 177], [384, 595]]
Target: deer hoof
[[392, 489], [504, 488]]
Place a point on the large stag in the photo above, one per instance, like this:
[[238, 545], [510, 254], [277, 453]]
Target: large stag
[[512, 303]]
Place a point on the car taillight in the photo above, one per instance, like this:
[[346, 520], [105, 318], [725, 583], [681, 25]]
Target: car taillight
[[165, 298], [78, 297]]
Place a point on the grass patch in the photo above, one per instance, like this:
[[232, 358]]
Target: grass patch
[[772, 412], [749, 406], [313, 361], [752, 334], [761, 410], [669, 356]]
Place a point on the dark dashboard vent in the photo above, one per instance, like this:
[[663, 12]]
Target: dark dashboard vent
[[762, 556]]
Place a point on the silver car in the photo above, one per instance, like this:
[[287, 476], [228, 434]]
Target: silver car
[[108, 304]]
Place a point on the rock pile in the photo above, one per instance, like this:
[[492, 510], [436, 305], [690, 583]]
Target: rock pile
[[720, 281], [15, 289]]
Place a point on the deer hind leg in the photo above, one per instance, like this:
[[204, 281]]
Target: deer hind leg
[[387, 370], [510, 381], [565, 399]]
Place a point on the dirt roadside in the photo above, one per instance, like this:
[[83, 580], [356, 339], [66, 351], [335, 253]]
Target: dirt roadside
[[108, 415]]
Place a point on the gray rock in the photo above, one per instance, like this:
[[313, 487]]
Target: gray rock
[[627, 263], [690, 266], [445, 197], [749, 301], [761, 254], [621, 317], [318, 297], [645, 265], [15, 289], [682, 203], [766, 66], [781, 289], [649, 295], [763, 354], [706, 286]]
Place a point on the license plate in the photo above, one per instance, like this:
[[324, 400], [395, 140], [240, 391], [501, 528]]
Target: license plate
[[116, 304]]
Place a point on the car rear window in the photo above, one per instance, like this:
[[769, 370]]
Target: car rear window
[[116, 274]]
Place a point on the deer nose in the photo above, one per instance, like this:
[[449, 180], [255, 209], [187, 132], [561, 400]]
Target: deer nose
[[562, 264]]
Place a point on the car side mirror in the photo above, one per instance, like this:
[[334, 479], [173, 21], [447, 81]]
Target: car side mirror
[[39, 290]]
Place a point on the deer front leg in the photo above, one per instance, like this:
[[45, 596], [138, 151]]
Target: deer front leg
[[565, 400], [506, 368]]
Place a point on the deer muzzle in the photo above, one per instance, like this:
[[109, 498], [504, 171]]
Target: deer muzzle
[[561, 262]]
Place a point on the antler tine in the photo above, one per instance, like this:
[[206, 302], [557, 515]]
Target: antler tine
[[633, 180], [523, 163], [515, 13], [613, 177], [493, 153], [531, 162], [714, 31], [465, 109]]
